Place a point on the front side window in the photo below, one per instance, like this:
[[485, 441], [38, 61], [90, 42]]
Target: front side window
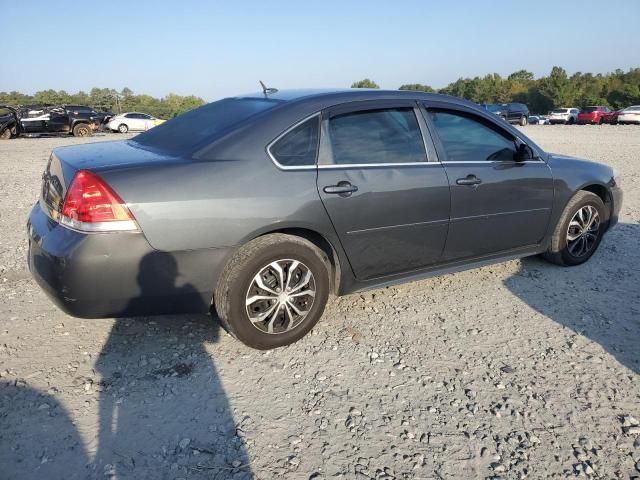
[[298, 147], [376, 137], [467, 138]]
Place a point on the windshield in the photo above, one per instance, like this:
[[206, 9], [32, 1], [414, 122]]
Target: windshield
[[494, 107], [191, 130], [559, 110], [589, 109]]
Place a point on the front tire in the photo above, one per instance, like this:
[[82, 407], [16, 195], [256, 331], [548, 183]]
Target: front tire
[[6, 134], [579, 230], [273, 291], [523, 121]]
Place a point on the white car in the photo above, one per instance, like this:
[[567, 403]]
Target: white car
[[567, 116], [630, 115], [132, 121]]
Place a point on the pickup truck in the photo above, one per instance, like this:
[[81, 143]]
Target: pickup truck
[[37, 120]]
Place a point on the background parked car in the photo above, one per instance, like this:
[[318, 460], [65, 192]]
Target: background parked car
[[133, 121], [9, 123], [629, 115], [592, 115], [538, 120], [511, 112], [566, 116], [82, 110], [612, 117], [55, 120]]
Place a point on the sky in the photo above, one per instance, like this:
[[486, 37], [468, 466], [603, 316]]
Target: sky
[[215, 49]]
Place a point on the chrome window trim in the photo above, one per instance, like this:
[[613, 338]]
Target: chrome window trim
[[373, 165], [275, 140], [486, 162]]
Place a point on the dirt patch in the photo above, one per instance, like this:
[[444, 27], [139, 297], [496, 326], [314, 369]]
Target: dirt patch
[[515, 370]]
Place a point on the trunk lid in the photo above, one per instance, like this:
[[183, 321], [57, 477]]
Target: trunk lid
[[99, 157]]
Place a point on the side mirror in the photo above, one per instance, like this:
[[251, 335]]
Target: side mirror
[[524, 153]]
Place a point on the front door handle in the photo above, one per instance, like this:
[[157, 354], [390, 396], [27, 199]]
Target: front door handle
[[469, 180], [344, 189]]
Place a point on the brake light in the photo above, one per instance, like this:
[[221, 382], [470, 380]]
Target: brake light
[[91, 205]]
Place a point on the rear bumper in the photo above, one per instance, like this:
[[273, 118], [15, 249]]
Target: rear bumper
[[101, 275]]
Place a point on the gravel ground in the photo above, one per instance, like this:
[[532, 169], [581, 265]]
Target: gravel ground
[[516, 370]]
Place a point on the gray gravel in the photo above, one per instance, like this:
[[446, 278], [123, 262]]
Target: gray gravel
[[517, 370]]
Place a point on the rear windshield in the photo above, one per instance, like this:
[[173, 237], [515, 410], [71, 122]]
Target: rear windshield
[[193, 129], [560, 110], [589, 109]]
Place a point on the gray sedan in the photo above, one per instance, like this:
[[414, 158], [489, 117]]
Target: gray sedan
[[258, 207]]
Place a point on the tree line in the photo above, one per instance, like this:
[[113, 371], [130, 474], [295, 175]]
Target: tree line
[[108, 99], [616, 90]]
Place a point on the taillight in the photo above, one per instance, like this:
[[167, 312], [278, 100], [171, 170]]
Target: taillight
[[91, 205]]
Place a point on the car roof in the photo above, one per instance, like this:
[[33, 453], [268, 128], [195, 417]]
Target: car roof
[[333, 96]]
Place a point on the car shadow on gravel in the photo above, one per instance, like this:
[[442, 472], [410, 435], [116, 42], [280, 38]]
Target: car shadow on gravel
[[598, 300], [163, 412], [29, 420]]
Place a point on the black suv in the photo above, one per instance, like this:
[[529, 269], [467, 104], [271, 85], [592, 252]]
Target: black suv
[[511, 112], [68, 119]]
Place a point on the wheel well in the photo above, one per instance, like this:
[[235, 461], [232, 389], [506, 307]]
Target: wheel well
[[323, 244], [602, 192]]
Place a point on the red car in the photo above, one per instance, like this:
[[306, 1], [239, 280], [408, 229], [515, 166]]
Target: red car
[[612, 117], [594, 115]]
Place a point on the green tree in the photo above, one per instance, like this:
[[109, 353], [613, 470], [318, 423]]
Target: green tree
[[418, 87], [557, 88], [366, 83]]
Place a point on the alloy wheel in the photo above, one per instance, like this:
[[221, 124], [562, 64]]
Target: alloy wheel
[[280, 296], [583, 231]]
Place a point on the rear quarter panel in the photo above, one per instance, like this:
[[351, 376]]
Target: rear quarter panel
[[226, 195], [222, 203]]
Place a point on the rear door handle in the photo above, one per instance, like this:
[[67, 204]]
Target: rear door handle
[[344, 189], [469, 180]]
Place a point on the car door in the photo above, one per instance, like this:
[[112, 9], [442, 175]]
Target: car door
[[387, 199], [147, 121], [134, 122], [499, 201]]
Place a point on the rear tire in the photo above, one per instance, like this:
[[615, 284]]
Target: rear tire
[[82, 130], [574, 241], [6, 134], [523, 121], [123, 128], [252, 297]]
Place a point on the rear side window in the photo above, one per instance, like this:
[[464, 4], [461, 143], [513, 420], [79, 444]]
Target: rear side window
[[467, 138], [376, 137], [194, 129], [299, 146]]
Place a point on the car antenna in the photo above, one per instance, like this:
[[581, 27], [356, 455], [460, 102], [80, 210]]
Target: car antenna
[[266, 90]]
